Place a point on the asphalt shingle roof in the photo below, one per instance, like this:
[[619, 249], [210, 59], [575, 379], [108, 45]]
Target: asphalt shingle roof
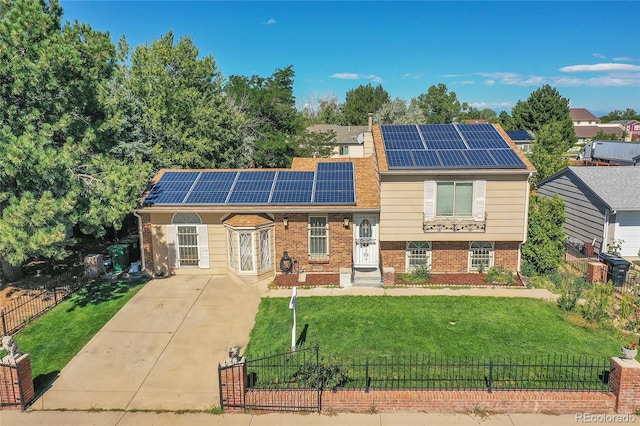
[[619, 187]]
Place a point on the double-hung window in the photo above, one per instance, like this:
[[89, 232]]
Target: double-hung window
[[318, 237], [480, 255], [418, 254]]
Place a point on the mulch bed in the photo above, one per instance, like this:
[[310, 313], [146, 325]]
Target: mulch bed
[[444, 280], [467, 280], [312, 280]]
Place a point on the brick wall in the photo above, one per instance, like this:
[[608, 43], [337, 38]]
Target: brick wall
[[596, 272], [465, 401], [233, 387], [394, 255], [506, 255], [147, 242], [624, 381], [16, 384], [294, 239], [449, 256]]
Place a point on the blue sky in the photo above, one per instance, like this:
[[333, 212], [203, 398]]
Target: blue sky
[[491, 54]]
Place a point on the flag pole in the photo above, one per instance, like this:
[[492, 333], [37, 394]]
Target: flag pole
[[292, 306]]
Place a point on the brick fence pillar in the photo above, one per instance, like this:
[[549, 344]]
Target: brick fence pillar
[[147, 242], [388, 276], [624, 381], [596, 272], [233, 385], [16, 383]]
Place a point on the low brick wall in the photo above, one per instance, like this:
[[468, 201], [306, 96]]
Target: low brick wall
[[463, 401]]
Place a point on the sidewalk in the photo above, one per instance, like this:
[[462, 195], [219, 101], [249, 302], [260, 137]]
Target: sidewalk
[[113, 418]]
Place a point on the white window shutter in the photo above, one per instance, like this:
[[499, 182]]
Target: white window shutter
[[429, 199], [479, 199], [172, 244], [203, 246]]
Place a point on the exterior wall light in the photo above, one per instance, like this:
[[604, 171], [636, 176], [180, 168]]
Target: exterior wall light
[[285, 221], [346, 222]]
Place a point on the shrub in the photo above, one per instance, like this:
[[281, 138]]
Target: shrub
[[499, 275], [599, 302], [324, 375], [420, 275], [571, 290]]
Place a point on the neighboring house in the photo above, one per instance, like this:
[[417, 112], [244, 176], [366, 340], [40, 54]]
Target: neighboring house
[[602, 204], [613, 152], [587, 126], [522, 138], [450, 196], [631, 128], [349, 139]]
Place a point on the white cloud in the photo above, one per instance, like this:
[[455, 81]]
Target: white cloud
[[625, 58], [512, 79], [599, 55], [492, 105], [270, 21], [356, 76], [467, 82], [600, 68], [345, 76], [489, 82]]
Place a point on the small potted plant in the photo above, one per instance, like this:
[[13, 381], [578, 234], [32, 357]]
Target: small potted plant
[[629, 351]]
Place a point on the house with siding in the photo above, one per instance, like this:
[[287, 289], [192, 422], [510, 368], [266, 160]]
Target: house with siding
[[453, 197], [602, 205]]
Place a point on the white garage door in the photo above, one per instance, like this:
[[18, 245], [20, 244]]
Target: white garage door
[[628, 229]]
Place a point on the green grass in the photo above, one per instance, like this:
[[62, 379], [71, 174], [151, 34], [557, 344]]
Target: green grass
[[58, 335], [373, 327]]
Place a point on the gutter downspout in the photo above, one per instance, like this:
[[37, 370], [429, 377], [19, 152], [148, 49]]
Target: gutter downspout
[[142, 267]]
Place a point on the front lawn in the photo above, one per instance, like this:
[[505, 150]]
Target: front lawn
[[384, 326], [58, 335]]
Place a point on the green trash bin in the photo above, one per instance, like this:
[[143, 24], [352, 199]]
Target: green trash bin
[[119, 256], [134, 247]]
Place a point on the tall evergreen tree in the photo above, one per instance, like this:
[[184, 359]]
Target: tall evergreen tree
[[545, 105], [361, 101], [53, 89]]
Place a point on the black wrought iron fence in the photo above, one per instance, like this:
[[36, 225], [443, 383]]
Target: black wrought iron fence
[[39, 300], [307, 369]]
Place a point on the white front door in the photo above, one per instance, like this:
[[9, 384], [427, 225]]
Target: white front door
[[366, 242]]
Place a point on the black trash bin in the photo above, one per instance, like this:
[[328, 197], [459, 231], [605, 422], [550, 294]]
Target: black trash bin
[[617, 268]]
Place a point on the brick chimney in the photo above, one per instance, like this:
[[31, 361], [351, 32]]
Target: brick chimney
[[370, 115]]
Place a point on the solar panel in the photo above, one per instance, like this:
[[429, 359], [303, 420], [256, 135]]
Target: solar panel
[[249, 197], [479, 157], [401, 137], [519, 135], [291, 197], [334, 185], [506, 157], [172, 186], [295, 176], [452, 158], [207, 197], [336, 166], [334, 197], [256, 176], [482, 136], [167, 197], [293, 185], [212, 185], [400, 159], [179, 176], [253, 185], [441, 136], [426, 159], [218, 176]]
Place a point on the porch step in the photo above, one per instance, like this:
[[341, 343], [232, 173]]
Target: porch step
[[367, 278]]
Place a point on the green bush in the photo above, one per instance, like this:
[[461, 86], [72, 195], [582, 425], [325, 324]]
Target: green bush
[[599, 302], [499, 275], [570, 292], [420, 275]]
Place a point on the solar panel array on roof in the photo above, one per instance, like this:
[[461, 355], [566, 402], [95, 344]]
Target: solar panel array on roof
[[519, 135], [332, 184], [447, 146]]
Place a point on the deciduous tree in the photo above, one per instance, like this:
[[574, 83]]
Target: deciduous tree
[[398, 111], [544, 250], [439, 105]]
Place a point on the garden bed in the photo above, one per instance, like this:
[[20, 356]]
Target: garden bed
[[467, 280], [310, 280]]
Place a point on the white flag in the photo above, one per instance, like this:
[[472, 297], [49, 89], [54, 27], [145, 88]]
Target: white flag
[[292, 302]]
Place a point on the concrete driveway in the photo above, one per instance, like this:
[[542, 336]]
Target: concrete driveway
[[161, 351]]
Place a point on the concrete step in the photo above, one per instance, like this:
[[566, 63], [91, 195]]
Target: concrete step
[[367, 278]]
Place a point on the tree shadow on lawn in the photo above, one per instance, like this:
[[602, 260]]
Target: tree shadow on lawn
[[100, 291]]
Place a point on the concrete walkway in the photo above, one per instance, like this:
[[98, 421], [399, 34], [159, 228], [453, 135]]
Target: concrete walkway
[[535, 293], [161, 350], [112, 418]]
